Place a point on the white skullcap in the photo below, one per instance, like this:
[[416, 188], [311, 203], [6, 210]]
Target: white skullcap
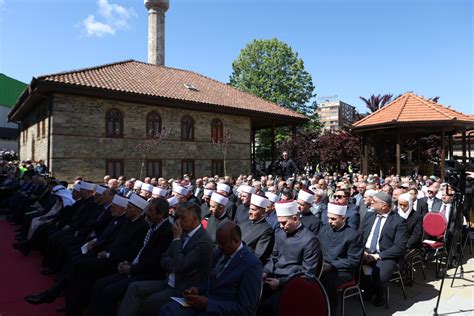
[[89, 186], [306, 196], [208, 192], [272, 197], [147, 187], [137, 201], [137, 184], [337, 209], [120, 200], [100, 189], [180, 189], [247, 189], [219, 198], [223, 187], [286, 208], [370, 192], [259, 201], [159, 191], [77, 186], [172, 201]]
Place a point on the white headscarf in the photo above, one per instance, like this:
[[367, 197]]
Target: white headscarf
[[408, 198]]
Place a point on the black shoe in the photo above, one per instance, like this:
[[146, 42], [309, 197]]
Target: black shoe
[[367, 295], [61, 309], [47, 271], [41, 298]]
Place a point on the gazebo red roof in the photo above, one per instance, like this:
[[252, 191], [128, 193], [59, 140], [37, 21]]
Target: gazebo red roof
[[411, 110]]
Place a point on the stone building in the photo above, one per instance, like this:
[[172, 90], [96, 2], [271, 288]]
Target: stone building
[[89, 122]]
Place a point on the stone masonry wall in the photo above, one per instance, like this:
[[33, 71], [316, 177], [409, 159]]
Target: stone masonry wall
[[35, 145], [81, 148]]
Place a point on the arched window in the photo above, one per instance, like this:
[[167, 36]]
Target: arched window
[[187, 128], [113, 123], [217, 130], [153, 124]]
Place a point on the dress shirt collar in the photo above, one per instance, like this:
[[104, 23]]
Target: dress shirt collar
[[191, 233]]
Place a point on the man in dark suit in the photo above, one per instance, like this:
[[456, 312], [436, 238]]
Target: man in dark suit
[[366, 205], [234, 284], [146, 265], [419, 205], [384, 238], [199, 190], [187, 262], [434, 204]]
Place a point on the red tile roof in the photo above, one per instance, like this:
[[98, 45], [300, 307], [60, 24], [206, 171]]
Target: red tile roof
[[140, 78], [410, 109]]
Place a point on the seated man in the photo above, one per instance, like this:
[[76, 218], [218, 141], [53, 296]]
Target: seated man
[[296, 252], [146, 265], [218, 215], [187, 262], [384, 237], [342, 249], [242, 211], [257, 234], [233, 288], [305, 200], [270, 214], [352, 215]]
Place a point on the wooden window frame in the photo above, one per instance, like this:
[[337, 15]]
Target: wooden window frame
[[154, 173], [152, 118], [186, 161], [220, 165], [217, 130], [114, 134], [114, 161], [184, 133]]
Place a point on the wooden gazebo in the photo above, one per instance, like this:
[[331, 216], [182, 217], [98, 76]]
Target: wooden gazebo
[[413, 115]]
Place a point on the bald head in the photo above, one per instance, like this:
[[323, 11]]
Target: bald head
[[228, 237]]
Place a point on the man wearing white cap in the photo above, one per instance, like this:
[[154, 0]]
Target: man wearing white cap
[[270, 213], [206, 199], [342, 248], [296, 252], [159, 192], [305, 200], [218, 214], [180, 192], [137, 185], [225, 189], [146, 190], [242, 211], [257, 234]]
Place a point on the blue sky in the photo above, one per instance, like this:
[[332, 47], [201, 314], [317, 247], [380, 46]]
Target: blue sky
[[351, 48]]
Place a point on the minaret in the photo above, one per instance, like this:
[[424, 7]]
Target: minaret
[[156, 30]]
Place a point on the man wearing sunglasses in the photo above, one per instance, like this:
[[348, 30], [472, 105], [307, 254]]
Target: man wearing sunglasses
[[352, 215]]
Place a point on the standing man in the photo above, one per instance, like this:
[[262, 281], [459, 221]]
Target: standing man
[[384, 237], [287, 166]]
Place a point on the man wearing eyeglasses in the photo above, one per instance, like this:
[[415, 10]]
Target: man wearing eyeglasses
[[352, 215]]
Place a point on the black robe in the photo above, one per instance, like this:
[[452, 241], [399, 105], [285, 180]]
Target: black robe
[[258, 237]]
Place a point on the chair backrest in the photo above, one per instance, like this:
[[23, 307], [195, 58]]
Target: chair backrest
[[302, 297], [434, 224]]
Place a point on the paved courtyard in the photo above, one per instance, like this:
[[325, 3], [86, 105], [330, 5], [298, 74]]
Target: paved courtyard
[[422, 296]]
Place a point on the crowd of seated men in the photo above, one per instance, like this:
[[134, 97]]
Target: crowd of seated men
[[215, 245]]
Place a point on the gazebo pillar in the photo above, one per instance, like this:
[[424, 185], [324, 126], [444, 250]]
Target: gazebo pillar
[[365, 157], [398, 152], [253, 154], [451, 151], [272, 144], [442, 155], [464, 146]]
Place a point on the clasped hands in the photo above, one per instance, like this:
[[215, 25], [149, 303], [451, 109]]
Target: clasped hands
[[194, 299], [371, 257], [273, 283]]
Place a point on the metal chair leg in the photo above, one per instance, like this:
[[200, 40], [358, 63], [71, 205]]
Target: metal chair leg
[[343, 299], [361, 302]]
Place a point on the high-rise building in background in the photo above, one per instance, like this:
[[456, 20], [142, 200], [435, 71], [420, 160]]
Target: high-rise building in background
[[336, 114]]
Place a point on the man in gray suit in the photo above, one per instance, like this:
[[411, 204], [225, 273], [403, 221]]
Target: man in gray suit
[[187, 261]]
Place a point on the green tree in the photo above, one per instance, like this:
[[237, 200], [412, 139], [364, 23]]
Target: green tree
[[271, 70]]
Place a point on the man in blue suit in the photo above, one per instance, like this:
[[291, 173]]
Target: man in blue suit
[[234, 284], [384, 237]]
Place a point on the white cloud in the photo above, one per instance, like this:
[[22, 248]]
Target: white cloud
[[113, 17], [95, 28]]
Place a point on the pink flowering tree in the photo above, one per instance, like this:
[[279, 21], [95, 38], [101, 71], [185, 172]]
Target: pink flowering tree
[[223, 143]]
